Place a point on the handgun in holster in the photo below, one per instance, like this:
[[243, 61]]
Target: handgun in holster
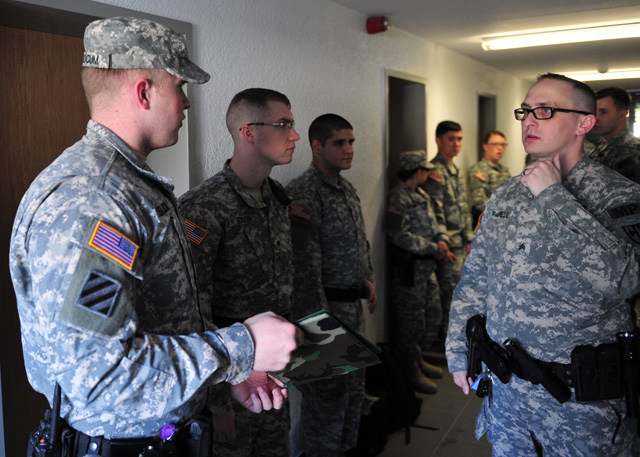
[[481, 348]]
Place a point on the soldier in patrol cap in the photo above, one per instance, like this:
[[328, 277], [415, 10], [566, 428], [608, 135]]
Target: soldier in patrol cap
[[244, 260], [102, 271], [416, 240], [485, 176], [555, 257]]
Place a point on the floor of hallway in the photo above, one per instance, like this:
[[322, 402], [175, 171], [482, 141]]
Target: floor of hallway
[[452, 415]]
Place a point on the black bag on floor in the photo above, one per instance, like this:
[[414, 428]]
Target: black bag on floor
[[397, 407]]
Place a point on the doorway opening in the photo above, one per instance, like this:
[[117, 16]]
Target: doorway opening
[[486, 118]]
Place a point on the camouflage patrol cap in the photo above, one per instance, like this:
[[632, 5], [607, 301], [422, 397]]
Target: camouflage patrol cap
[[130, 43], [412, 160]]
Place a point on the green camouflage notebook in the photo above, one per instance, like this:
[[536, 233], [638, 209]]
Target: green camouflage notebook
[[330, 349]]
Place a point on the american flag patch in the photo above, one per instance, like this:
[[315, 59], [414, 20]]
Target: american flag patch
[[301, 211], [195, 232], [114, 245]]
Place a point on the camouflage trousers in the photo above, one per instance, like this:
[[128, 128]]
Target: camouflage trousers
[[448, 277], [415, 310], [524, 420], [330, 409], [265, 434]]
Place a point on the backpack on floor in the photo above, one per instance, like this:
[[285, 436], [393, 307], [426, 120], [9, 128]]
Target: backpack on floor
[[397, 406]]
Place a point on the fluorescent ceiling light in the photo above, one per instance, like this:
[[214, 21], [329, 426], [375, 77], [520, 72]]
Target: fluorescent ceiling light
[[628, 73], [549, 37]]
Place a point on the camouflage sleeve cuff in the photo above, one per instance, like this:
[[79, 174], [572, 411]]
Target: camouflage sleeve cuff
[[240, 347]]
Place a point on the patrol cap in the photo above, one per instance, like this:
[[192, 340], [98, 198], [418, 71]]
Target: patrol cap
[[134, 43], [412, 160]]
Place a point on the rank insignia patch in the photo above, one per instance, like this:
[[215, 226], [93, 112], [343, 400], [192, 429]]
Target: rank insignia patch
[[114, 245], [195, 232]]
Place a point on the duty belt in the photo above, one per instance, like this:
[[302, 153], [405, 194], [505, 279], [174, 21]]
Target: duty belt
[[345, 294]]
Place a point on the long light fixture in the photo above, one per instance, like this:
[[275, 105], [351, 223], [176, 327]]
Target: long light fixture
[[549, 37], [628, 73]]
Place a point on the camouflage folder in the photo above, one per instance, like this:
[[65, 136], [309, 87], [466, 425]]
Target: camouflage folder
[[330, 349]]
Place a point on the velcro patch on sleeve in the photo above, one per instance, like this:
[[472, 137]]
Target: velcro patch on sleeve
[[195, 233], [482, 176], [437, 177], [114, 245], [98, 294], [301, 211], [394, 218]]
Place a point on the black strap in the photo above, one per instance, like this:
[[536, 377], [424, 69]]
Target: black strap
[[344, 294]]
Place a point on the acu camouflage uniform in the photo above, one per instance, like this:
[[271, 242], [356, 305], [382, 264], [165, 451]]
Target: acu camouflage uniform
[[242, 252], [484, 177], [448, 191], [553, 272], [622, 154], [107, 295], [330, 250], [413, 233]]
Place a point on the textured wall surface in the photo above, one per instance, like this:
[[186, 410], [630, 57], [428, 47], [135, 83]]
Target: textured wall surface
[[319, 54]]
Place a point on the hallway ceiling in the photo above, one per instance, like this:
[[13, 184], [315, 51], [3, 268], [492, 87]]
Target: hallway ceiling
[[460, 24]]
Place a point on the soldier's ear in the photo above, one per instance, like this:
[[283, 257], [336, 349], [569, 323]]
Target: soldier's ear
[[316, 147], [586, 124]]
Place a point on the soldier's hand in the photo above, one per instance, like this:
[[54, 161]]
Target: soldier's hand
[[224, 427], [372, 295], [461, 380], [274, 338], [539, 175], [259, 393]]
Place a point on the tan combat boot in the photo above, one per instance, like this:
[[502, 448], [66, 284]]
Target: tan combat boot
[[430, 371], [418, 380]]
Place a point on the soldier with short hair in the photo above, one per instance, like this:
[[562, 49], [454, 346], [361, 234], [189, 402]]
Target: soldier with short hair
[[102, 271], [243, 257], [333, 271], [447, 187], [485, 176], [620, 149], [554, 260]]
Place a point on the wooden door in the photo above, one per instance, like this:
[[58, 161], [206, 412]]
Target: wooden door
[[43, 111]]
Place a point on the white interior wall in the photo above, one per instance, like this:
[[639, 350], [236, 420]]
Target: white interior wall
[[319, 54]]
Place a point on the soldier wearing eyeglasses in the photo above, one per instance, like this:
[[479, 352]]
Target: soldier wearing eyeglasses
[[486, 175], [554, 260], [238, 224]]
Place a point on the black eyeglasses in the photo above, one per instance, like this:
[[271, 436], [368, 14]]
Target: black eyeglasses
[[284, 125], [543, 112]]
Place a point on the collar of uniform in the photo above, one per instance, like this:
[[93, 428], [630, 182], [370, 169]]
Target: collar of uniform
[[495, 166], [105, 135], [241, 190], [450, 167], [571, 181]]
